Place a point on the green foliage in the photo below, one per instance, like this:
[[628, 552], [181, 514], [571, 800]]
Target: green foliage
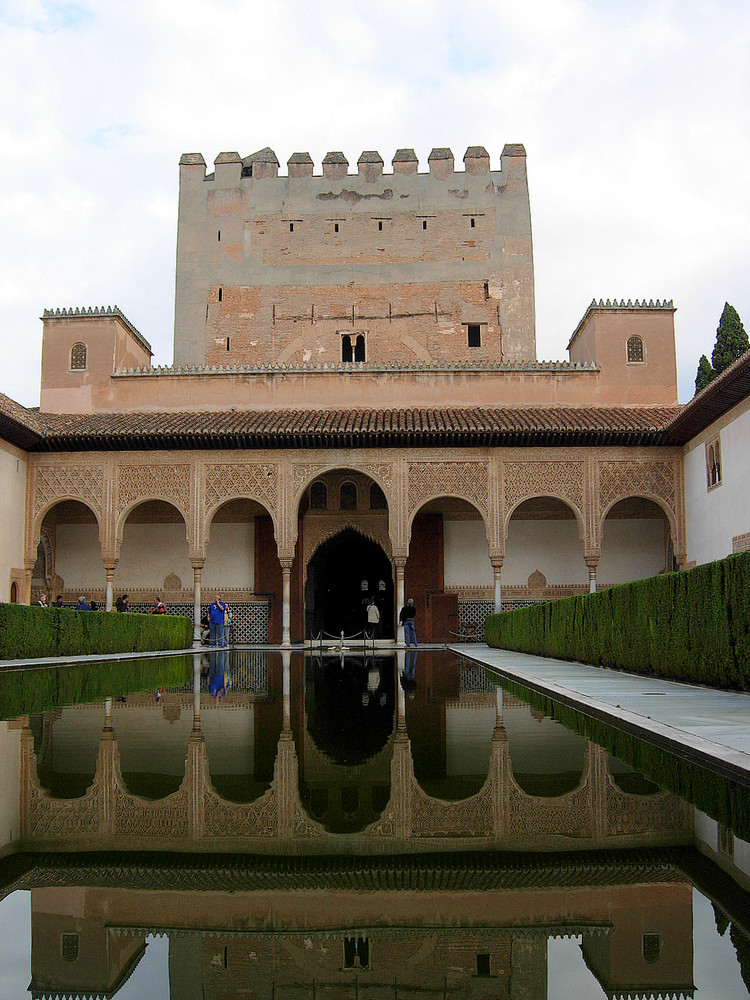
[[731, 340], [41, 689], [690, 626], [27, 633], [705, 374]]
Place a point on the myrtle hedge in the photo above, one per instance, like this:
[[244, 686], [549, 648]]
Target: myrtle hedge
[[692, 625], [41, 689], [26, 633]]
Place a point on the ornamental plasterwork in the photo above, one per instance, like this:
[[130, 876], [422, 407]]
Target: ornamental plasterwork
[[84, 483], [137, 483], [523, 480], [628, 813], [468, 818], [320, 529], [618, 480], [382, 473], [228, 481], [469, 480], [567, 814]]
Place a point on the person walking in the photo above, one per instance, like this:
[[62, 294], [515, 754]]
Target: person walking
[[406, 617], [373, 619], [218, 613]]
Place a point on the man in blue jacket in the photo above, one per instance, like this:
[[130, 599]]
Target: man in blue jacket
[[216, 622]]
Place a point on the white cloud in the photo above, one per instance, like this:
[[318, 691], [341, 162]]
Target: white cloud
[[634, 118]]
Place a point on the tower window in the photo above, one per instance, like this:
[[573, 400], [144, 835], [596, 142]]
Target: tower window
[[636, 354], [218, 236], [651, 947], [472, 222], [356, 952], [291, 227], [483, 965], [474, 334], [424, 223], [335, 227], [318, 496], [380, 225], [227, 343], [359, 348], [221, 294], [78, 358], [348, 496], [346, 348]]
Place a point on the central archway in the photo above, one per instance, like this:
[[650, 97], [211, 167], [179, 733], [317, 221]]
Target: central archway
[[342, 576]]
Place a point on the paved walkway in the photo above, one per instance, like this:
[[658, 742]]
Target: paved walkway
[[702, 724]]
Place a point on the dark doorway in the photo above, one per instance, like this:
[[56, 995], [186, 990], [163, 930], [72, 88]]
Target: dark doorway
[[345, 572]]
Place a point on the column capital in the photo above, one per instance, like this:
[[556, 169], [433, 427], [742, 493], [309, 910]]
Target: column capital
[[497, 561], [197, 563], [110, 565], [286, 563], [592, 561]]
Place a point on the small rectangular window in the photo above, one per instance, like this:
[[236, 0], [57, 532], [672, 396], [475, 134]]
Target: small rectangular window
[[291, 227], [472, 222], [227, 343], [424, 223], [221, 294], [483, 965], [335, 227], [218, 236], [380, 225], [474, 335]]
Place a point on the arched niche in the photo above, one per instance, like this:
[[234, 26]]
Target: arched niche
[[232, 537], [152, 742], [544, 542], [67, 745], [69, 539], [153, 552], [636, 542]]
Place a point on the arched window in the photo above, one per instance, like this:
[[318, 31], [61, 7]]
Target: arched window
[[318, 496], [635, 351], [14, 593], [651, 946], [359, 348], [346, 348], [713, 463], [377, 498], [78, 358], [348, 496]]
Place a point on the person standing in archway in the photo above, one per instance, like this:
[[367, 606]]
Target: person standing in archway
[[373, 619], [406, 616]]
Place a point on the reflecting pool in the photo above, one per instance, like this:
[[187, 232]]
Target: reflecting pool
[[276, 825]]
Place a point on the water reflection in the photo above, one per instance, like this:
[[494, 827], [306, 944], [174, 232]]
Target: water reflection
[[344, 825]]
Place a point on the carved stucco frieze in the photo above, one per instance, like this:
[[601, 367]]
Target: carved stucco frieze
[[58, 482], [319, 530], [471, 817], [524, 480], [136, 483], [469, 480], [656, 480], [227, 481]]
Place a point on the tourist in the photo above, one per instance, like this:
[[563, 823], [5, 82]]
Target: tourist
[[159, 607], [406, 616], [122, 603], [218, 621], [83, 604], [373, 618], [58, 602], [42, 602], [93, 605]]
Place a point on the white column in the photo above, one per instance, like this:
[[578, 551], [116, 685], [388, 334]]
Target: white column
[[400, 660], [286, 615], [286, 687], [497, 567], [197, 568], [400, 596], [109, 600], [592, 576], [196, 691]]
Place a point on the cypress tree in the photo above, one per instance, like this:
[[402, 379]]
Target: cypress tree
[[731, 340], [705, 373]]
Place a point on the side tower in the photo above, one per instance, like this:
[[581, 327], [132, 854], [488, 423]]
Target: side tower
[[387, 269]]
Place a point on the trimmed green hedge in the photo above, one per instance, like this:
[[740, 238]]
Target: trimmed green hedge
[[41, 689], [34, 632], [692, 625]]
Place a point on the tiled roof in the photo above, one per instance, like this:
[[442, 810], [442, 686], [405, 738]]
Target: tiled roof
[[403, 428], [18, 425], [719, 396]]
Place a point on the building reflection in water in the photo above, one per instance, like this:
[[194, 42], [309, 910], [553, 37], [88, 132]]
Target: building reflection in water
[[391, 825]]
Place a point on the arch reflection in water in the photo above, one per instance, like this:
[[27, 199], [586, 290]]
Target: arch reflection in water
[[345, 747]]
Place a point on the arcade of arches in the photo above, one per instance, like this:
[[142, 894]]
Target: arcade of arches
[[299, 543]]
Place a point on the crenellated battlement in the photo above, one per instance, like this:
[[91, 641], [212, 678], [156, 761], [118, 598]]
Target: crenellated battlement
[[98, 313], [630, 304], [265, 164]]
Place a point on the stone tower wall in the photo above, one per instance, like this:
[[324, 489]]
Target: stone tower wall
[[278, 269]]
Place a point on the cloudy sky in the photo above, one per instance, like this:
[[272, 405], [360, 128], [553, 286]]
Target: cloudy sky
[[634, 117]]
